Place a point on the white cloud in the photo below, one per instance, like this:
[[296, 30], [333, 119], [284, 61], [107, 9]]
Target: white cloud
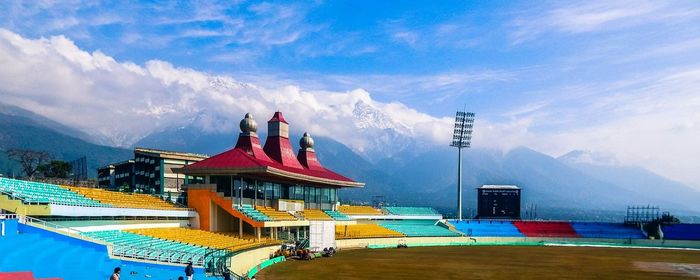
[[598, 16], [122, 102]]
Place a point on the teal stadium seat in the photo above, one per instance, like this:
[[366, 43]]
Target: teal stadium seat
[[251, 212], [411, 211], [337, 215], [419, 228], [149, 248], [35, 192]]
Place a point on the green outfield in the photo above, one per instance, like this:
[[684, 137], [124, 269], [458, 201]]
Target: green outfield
[[494, 262]]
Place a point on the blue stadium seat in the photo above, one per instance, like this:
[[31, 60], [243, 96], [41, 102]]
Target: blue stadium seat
[[681, 232], [606, 230], [487, 228]]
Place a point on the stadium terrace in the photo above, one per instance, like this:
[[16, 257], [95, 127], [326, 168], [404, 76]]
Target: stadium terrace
[[251, 207]]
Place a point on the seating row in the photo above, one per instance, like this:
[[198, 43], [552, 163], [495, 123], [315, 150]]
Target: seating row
[[127, 200], [364, 231], [150, 248], [681, 231], [195, 237], [253, 213], [275, 215], [315, 215], [337, 215], [358, 210], [35, 192], [487, 228], [606, 230], [411, 211]]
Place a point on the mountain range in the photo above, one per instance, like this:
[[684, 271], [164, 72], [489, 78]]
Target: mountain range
[[410, 175]]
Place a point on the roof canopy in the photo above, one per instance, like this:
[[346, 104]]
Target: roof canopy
[[248, 158]]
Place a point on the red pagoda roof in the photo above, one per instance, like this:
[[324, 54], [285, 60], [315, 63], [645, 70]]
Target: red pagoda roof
[[249, 158], [278, 117]]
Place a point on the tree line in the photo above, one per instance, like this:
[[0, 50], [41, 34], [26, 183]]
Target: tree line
[[40, 164]]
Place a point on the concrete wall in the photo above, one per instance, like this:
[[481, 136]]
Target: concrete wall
[[78, 211], [243, 262], [8, 227], [87, 226], [16, 206]]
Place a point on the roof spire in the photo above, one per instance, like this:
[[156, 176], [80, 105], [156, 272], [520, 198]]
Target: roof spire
[[248, 125], [306, 142]]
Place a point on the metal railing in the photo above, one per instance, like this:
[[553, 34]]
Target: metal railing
[[218, 262], [8, 216], [56, 227], [159, 255], [120, 250]]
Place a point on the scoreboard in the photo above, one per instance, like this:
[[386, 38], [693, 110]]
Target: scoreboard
[[498, 202]]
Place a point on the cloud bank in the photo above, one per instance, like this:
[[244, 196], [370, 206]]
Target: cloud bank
[[122, 102]]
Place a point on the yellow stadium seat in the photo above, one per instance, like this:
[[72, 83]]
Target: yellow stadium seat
[[276, 215], [359, 210], [217, 240], [315, 215], [364, 231], [126, 200]]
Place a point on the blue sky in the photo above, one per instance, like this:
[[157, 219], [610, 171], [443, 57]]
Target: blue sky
[[621, 77]]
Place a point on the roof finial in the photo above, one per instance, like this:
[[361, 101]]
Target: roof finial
[[248, 125], [306, 142]]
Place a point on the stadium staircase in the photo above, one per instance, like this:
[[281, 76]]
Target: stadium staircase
[[304, 243], [203, 197], [546, 229]]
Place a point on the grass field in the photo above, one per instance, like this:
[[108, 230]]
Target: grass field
[[493, 262]]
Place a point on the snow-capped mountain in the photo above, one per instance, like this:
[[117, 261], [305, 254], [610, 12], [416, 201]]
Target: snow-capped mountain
[[385, 136], [590, 157]]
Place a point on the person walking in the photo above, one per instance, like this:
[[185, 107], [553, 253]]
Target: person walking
[[189, 271], [116, 274]]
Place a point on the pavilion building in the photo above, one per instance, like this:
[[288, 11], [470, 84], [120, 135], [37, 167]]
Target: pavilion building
[[265, 178]]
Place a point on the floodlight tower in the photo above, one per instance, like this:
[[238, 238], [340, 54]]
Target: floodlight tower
[[461, 138]]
